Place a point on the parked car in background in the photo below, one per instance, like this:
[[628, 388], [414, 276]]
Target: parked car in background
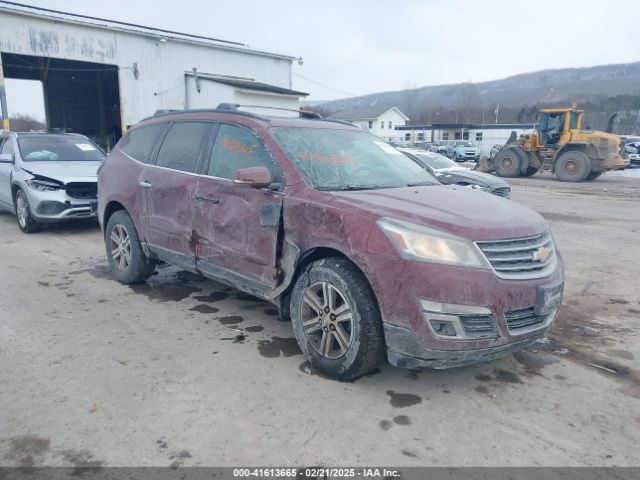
[[632, 147], [440, 147], [47, 177], [463, 150], [366, 252], [449, 172]]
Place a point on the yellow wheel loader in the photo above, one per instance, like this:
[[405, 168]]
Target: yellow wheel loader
[[559, 144]]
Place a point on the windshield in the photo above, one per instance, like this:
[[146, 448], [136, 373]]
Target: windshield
[[437, 162], [44, 148], [465, 144], [330, 159]]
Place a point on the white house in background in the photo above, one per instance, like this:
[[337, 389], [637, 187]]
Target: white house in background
[[381, 121]]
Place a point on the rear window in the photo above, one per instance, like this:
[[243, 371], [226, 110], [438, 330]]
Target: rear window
[[57, 148], [140, 142]]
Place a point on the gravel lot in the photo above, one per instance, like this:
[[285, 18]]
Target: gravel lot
[[188, 372]]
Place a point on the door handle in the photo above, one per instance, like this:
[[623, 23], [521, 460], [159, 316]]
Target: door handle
[[207, 199], [145, 184]]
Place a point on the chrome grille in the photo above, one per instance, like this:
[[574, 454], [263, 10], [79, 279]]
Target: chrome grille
[[478, 326], [502, 192], [518, 319], [521, 258]]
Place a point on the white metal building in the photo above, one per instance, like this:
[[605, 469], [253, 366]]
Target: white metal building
[[484, 135], [381, 121], [100, 76]]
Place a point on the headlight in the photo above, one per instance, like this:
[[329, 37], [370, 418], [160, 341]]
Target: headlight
[[43, 185], [484, 188], [416, 242]]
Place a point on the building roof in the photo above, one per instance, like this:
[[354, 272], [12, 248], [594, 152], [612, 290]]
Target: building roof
[[59, 16], [248, 84], [366, 113]]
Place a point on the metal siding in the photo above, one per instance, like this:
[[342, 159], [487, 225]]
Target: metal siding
[[161, 67]]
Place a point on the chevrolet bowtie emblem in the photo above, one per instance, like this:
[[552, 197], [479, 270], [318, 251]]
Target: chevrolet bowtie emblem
[[542, 254]]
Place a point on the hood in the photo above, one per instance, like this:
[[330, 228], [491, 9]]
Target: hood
[[64, 172], [458, 210], [454, 175]]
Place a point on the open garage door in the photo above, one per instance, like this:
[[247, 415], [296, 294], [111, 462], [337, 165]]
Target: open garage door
[[79, 97]]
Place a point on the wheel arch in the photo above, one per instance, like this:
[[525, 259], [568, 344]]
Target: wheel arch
[[309, 256], [584, 147], [112, 207]]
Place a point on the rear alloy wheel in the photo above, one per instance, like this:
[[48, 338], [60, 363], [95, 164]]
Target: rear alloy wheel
[[336, 319], [127, 259], [507, 162], [26, 222], [572, 167]]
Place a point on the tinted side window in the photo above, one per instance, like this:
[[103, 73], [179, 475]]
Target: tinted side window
[[237, 148], [181, 145], [139, 142]]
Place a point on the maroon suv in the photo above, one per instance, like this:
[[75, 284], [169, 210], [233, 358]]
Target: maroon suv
[[364, 250]]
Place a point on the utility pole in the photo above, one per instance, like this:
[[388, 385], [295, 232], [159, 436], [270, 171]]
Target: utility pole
[[3, 99]]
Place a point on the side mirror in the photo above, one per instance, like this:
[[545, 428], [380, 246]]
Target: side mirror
[[255, 177], [6, 158]]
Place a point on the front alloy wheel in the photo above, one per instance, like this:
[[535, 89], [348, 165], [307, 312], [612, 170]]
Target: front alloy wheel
[[326, 320], [26, 222], [336, 320]]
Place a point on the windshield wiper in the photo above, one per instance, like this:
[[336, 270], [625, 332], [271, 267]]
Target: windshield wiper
[[353, 187], [421, 184]]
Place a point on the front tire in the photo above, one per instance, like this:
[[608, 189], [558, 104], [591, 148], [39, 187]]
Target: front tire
[[508, 162], [572, 166], [26, 222], [127, 259], [336, 319]]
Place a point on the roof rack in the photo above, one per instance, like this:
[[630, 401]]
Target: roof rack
[[234, 108], [303, 113]]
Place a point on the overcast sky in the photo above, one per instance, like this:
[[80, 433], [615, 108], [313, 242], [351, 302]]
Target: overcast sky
[[357, 47]]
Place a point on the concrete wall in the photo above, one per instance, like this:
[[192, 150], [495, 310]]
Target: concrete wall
[[161, 68]]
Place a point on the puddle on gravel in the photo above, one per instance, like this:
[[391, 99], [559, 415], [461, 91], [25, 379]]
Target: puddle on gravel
[[532, 362], [212, 297], [204, 308], [240, 338], [168, 285], [287, 347], [254, 328], [401, 420], [231, 320], [403, 400]]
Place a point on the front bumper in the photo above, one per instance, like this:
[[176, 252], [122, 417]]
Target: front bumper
[[634, 160], [404, 351], [512, 304], [57, 206]]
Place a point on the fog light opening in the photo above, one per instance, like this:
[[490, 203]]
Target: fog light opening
[[443, 328]]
